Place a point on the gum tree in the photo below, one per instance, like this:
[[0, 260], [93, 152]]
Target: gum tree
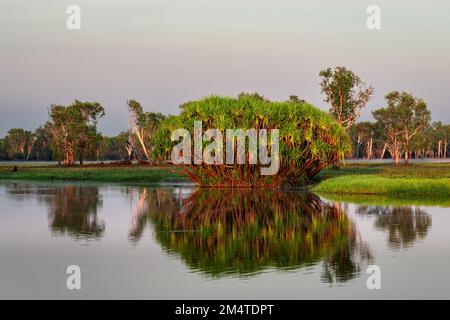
[[441, 135], [19, 143], [362, 134], [3, 153], [74, 129], [345, 93], [144, 125], [42, 147], [403, 118]]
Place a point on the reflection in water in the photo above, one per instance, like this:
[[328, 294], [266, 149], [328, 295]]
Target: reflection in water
[[292, 241], [145, 199], [224, 232], [243, 232], [404, 225], [72, 209]]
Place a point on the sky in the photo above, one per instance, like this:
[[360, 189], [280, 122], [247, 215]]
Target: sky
[[166, 52]]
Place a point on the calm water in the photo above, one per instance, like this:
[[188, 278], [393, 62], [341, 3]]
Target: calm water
[[177, 243]]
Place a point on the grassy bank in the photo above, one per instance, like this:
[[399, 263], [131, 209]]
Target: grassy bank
[[131, 174], [386, 179], [416, 180]]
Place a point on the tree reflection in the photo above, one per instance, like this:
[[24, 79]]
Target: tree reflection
[[72, 209], [243, 232], [404, 225]]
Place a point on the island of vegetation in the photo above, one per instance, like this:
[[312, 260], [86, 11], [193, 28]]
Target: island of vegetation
[[314, 145]]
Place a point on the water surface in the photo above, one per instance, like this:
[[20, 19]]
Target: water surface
[[183, 243]]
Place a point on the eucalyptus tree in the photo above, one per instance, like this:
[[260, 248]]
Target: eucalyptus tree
[[74, 130], [446, 129], [42, 147], [31, 139], [124, 145], [423, 143], [3, 153], [379, 140], [441, 135], [19, 143], [346, 94], [362, 134], [403, 118], [88, 148], [103, 148], [144, 125]]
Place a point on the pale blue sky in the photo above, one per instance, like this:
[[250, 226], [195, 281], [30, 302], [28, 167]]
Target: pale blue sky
[[165, 52]]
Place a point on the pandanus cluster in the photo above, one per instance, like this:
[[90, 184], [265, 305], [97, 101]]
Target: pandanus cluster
[[309, 139]]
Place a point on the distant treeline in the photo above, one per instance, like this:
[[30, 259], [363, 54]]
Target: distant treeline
[[71, 135], [371, 141], [401, 130]]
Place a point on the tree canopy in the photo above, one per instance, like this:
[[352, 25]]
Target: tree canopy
[[404, 117], [309, 138], [346, 94], [144, 125], [18, 143], [74, 129], [402, 128]]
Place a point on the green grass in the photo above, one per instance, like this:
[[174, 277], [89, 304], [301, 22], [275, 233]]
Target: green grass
[[371, 184], [426, 181], [429, 180], [137, 174]]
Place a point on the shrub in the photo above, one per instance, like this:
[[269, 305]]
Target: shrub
[[310, 139]]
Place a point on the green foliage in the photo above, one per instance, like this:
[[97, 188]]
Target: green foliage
[[346, 94], [3, 152], [120, 144], [145, 125], [74, 130], [404, 117], [42, 147], [147, 120], [18, 143], [361, 133], [309, 138], [403, 112]]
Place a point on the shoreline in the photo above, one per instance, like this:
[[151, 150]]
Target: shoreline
[[416, 179]]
